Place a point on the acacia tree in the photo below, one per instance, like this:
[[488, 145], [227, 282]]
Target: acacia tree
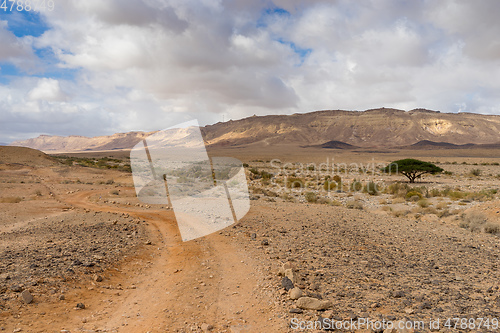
[[412, 168]]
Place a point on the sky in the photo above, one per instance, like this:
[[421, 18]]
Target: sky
[[97, 67]]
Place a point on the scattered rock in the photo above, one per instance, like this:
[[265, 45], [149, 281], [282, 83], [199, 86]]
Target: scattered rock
[[62, 297], [309, 303], [98, 278], [206, 327], [16, 288], [265, 242], [80, 306], [287, 283], [289, 274], [295, 310], [295, 293], [27, 297]]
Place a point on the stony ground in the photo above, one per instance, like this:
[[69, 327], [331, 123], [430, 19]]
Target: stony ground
[[375, 266], [52, 250], [95, 259]]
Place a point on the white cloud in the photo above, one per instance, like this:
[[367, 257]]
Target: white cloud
[[139, 62], [47, 90]]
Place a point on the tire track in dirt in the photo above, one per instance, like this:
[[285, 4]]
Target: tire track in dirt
[[174, 285]]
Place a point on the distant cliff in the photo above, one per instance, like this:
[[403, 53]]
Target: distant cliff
[[372, 128]]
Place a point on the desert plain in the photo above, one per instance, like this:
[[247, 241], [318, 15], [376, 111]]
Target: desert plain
[[80, 253]]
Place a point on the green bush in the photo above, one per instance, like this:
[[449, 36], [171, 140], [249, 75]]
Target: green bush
[[293, 182], [371, 188], [254, 171], [356, 186], [329, 185], [412, 194], [311, 197], [266, 175], [337, 179]]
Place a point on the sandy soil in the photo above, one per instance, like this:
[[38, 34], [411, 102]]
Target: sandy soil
[[161, 285], [80, 236]]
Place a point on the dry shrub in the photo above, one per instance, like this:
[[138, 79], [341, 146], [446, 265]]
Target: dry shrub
[[430, 210], [442, 205], [474, 221], [288, 197], [335, 203], [476, 172], [424, 203], [444, 213], [400, 213], [491, 228], [311, 197], [434, 193], [397, 189], [354, 204], [398, 200], [324, 201], [418, 210]]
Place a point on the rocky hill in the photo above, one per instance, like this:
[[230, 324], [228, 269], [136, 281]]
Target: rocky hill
[[74, 143], [427, 145], [25, 156], [372, 128]]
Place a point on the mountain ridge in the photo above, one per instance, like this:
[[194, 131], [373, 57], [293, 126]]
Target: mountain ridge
[[373, 128]]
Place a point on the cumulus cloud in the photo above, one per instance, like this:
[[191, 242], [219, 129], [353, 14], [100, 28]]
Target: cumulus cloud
[[47, 90], [137, 63]]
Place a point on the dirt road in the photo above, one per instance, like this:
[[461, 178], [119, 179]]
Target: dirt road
[[169, 286]]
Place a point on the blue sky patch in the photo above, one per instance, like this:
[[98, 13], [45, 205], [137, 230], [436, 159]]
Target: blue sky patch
[[7, 71], [301, 52], [24, 23], [269, 14], [51, 68]]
